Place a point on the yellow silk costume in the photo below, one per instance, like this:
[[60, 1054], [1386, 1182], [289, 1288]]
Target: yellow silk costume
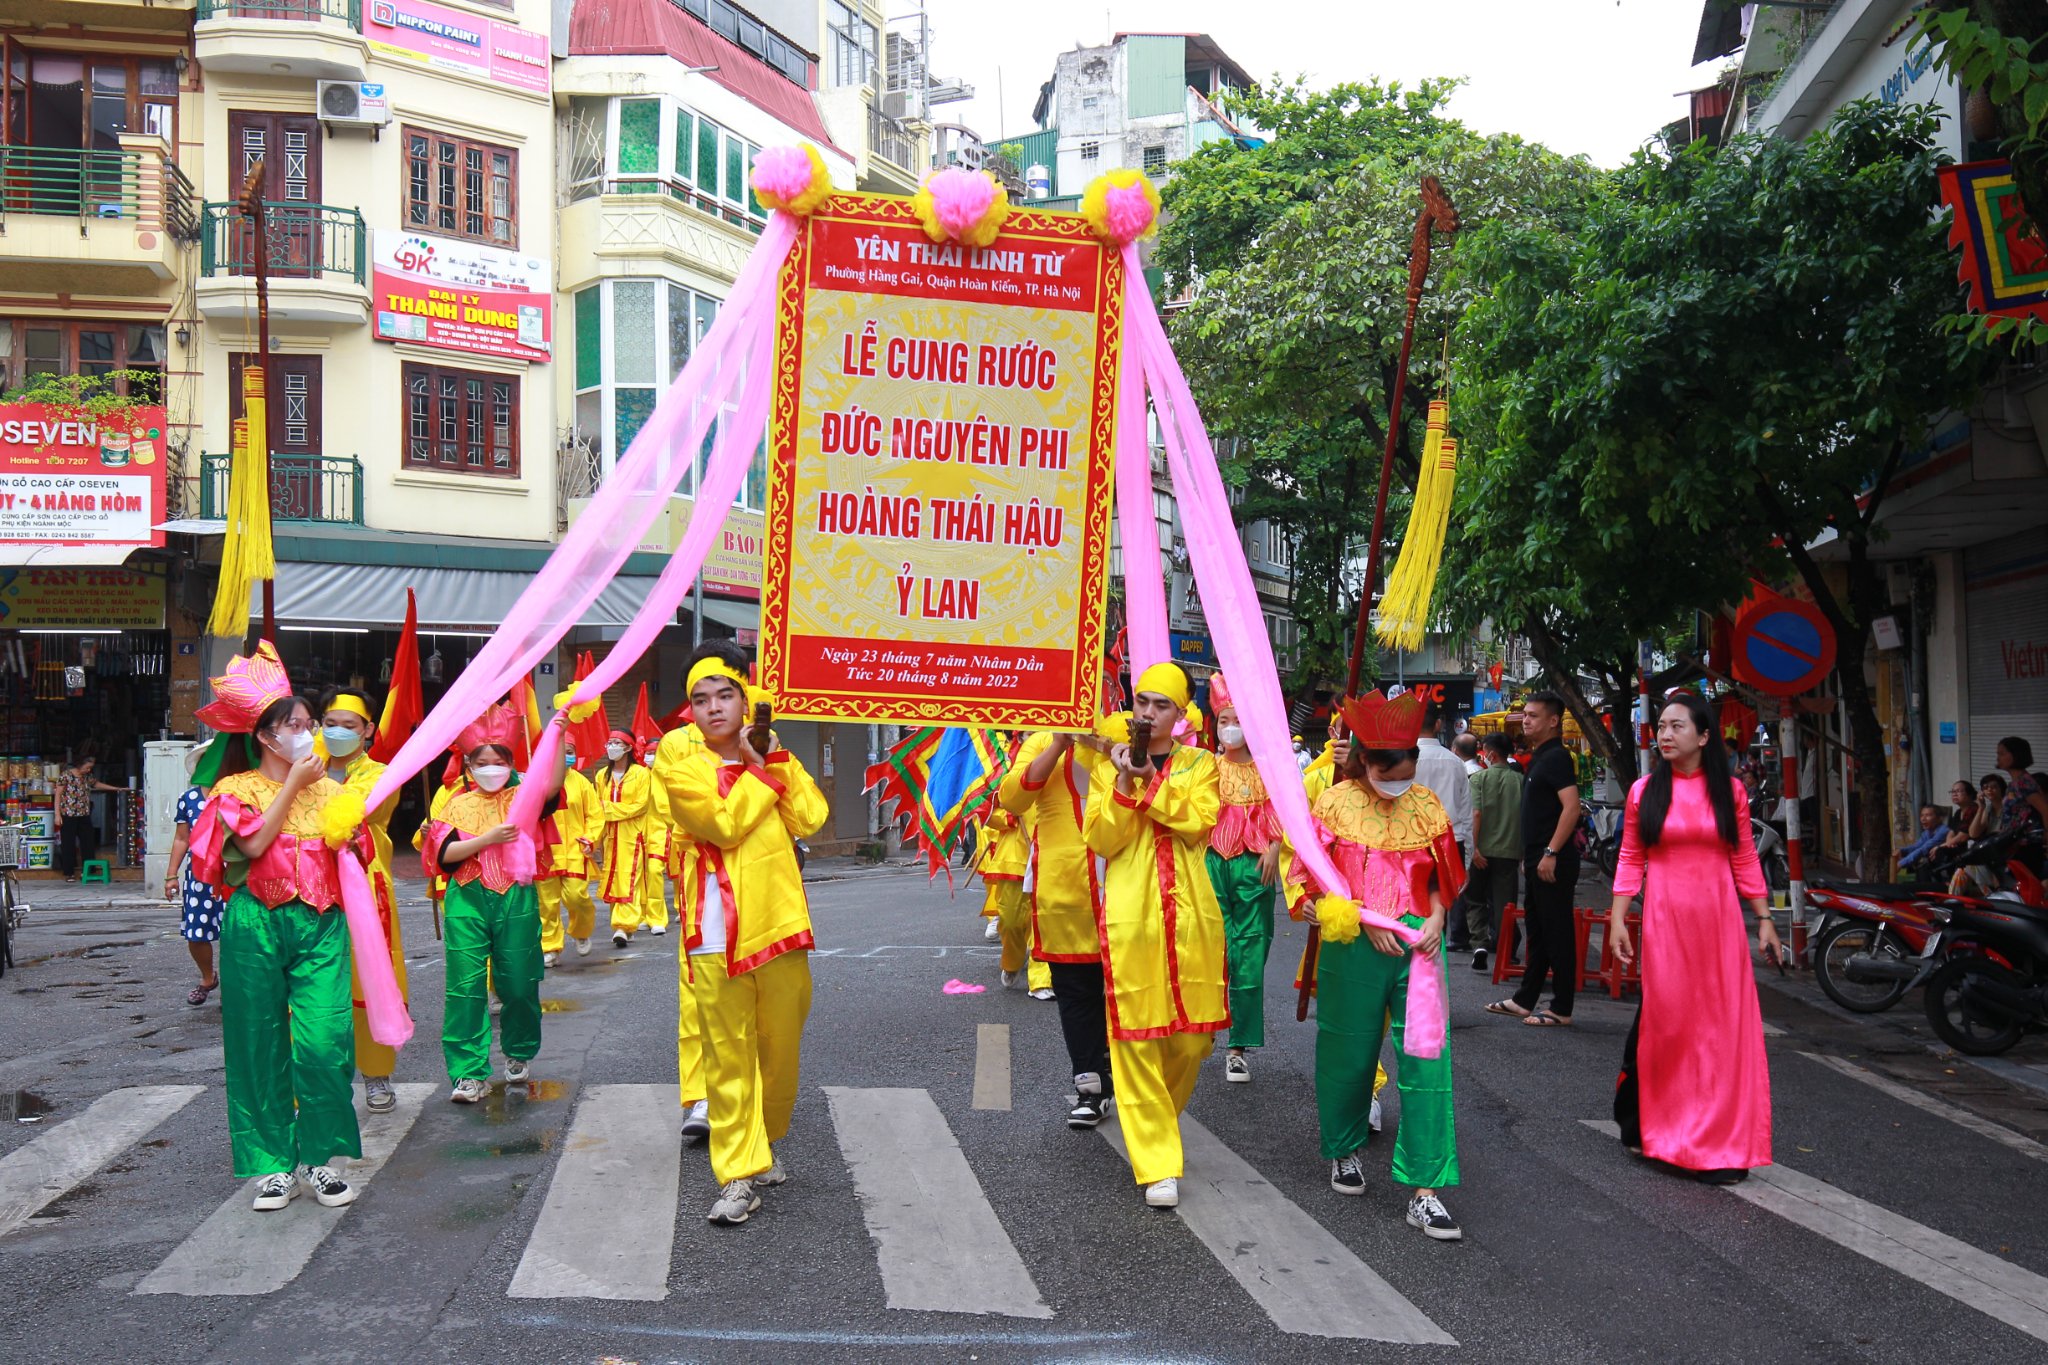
[[740, 825], [1162, 946], [1065, 895], [624, 798], [579, 816], [372, 1057], [1005, 855], [657, 834]]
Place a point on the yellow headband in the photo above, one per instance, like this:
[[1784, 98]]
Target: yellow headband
[[715, 667], [353, 705], [1168, 681]]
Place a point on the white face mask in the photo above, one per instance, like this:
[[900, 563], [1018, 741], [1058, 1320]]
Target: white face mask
[[293, 744], [1390, 790], [1231, 736], [491, 776], [615, 752]]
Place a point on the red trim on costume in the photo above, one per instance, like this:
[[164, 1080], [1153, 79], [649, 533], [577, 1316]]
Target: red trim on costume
[[795, 941], [1162, 858]]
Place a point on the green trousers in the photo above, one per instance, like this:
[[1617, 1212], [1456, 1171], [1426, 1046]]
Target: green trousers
[[1247, 906], [498, 934], [1358, 988], [288, 1037]]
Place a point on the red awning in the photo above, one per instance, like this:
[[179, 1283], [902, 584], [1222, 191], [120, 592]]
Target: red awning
[[601, 28]]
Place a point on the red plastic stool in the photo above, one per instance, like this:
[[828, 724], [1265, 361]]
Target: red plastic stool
[[1584, 920], [1611, 971], [1505, 967]]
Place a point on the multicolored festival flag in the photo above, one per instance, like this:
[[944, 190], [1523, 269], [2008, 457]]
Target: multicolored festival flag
[[942, 778], [2005, 259]]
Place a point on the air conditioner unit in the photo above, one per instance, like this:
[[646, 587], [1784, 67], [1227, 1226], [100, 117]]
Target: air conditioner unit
[[353, 104]]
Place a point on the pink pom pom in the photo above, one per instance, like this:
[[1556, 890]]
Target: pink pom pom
[[784, 172], [1128, 211], [960, 198]]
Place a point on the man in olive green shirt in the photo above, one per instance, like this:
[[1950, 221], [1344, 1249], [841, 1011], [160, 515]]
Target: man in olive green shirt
[[1496, 845]]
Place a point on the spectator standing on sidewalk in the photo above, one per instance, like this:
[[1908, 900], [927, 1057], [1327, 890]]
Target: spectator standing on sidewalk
[[78, 841], [1550, 867], [1496, 847], [200, 919], [1466, 747], [1443, 772]]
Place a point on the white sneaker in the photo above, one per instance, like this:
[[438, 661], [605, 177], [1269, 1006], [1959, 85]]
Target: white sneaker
[[548, 959], [620, 938], [777, 1174], [993, 932], [582, 947], [1012, 980], [697, 1123], [516, 1072], [1236, 1068], [329, 1188], [470, 1091], [497, 1007], [1043, 993], [274, 1191], [658, 930], [378, 1096], [735, 1202], [1373, 1119], [1163, 1194]]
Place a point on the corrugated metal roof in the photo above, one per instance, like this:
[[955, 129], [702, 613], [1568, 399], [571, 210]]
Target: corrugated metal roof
[[1156, 75], [600, 28], [1040, 148]]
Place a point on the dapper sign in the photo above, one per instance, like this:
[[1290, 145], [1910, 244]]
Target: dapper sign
[[940, 483], [436, 291]]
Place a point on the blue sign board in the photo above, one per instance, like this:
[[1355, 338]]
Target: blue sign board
[[1948, 732], [1192, 649]]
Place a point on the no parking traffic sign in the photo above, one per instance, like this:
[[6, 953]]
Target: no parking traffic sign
[[1783, 646]]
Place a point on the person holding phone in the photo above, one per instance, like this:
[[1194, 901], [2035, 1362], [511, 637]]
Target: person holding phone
[[1695, 1086]]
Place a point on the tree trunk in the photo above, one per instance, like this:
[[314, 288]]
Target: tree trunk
[[1620, 723], [1543, 644]]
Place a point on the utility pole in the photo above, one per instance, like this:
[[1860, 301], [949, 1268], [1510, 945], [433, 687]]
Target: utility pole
[[251, 203]]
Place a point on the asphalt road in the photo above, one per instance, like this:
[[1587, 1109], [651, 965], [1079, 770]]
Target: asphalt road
[[1905, 1221]]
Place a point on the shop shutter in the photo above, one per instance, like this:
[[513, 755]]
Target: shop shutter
[[2005, 587]]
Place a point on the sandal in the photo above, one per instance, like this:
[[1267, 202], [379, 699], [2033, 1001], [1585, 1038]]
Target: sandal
[[1545, 1019], [197, 995], [1507, 1007]]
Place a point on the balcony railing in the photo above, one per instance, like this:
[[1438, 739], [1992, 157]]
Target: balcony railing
[[303, 241], [141, 188], [890, 140], [305, 11], [325, 488], [750, 215]]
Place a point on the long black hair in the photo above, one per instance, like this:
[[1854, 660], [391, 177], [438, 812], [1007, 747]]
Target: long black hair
[[1713, 766]]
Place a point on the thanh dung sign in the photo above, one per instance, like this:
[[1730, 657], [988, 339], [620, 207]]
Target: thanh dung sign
[[458, 296], [67, 480], [940, 471]]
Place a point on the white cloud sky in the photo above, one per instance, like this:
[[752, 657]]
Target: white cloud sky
[[1581, 76]]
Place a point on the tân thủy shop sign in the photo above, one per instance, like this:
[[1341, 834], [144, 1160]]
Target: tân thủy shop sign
[[940, 471]]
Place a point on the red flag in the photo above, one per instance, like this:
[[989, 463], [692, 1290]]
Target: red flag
[[404, 707], [589, 734], [528, 706], [646, 733]]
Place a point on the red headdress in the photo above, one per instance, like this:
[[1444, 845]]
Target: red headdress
[[499, 725], [1375, 722], [252, 684]]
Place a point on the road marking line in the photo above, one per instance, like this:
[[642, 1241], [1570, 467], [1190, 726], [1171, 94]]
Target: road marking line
[[50, 1166], [1973, 1278], [938, 1242], [992, 1066], [1955, 1114], [1306, 1280], [238, 1251], [588, 1242]]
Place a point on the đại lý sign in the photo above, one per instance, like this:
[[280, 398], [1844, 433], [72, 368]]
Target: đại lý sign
[[458, 296], [941, 458], [66, 479]]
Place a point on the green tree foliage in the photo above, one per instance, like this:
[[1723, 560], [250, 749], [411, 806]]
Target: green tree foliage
[[1719, 369], [1300, 249]]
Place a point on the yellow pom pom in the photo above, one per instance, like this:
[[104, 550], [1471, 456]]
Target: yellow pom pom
[[1114, 728], [580, 712], [341, 817], [773, 183], [1122, 206], [1338, 918]]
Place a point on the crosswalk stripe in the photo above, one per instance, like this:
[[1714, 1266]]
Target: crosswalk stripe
[[588, 1242], [238, 1251], [34, 1175], [1307, 1281], [1961, 1117], [938, 1242], [1976, 1279], [991, 1066]]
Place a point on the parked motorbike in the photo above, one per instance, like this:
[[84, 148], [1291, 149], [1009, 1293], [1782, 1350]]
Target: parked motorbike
[[1993, 989]]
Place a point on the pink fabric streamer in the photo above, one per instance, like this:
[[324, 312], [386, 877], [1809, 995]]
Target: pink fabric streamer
[[958, 987], [631, 496], [1231, 605], [383, 1006], [1137, 524]]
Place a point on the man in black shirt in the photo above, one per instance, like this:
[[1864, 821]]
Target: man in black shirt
[[1550, 866]]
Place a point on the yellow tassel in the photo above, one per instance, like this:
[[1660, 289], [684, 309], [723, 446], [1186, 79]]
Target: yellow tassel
[[1338, 918], [1404, 609], [341, 817], [247, 556]]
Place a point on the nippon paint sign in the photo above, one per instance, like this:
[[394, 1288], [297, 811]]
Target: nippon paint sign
[[453, 40]]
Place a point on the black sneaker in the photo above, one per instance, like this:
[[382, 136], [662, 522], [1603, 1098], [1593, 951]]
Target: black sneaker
[[620, 938], [1479, 959], [1347, 1176], [1427, 1212], [1087, 1111]]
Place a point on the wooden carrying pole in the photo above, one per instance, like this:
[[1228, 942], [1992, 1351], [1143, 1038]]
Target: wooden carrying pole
[[1437, 215], [251, 203]]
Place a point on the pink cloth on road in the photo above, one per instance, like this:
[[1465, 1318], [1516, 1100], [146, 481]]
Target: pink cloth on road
[[1701, 1070]]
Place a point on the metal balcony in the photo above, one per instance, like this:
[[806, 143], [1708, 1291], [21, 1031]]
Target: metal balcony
[[137, 188], [317, 257], [306, 39], [303, 488]]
